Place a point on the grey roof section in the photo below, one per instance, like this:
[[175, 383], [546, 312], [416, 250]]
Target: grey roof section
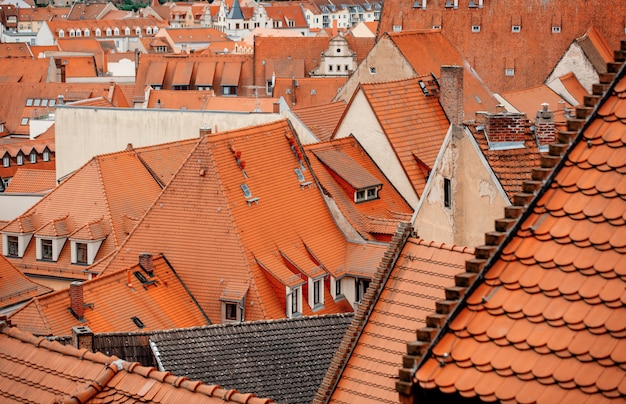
[[285, 359], [235, 12]]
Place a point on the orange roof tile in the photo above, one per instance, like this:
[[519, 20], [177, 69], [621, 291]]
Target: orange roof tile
[[413, 122], [528, 101], [207, 101], [42, 371], [308, 92], [100, 190], [345, 160], [15, 287], [15, 50], [545, 320], [110, 302], [596, 49], [32, 181], [416, 279], [238, 237], [292, 16], [573, 86], [321, 119], [22, 70]]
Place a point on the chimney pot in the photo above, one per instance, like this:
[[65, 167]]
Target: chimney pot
[[82, 337]]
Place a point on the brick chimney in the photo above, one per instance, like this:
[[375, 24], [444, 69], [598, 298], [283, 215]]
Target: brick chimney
[[77, 304], [147, 263], [545, 129], [505, 127], [205, 130], [451, 93]]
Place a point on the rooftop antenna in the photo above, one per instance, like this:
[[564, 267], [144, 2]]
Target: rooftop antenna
[[257, 107]]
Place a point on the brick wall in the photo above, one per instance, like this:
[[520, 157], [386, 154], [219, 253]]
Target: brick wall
[[451, 93], [505, 127], [76, 299], [545, 128]]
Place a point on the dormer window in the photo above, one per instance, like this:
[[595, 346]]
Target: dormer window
[[20, 159], [516, 28], [233, 301], [294, 303], [98, 32], [108, 32], [46, 249], [72, 33], [148, 30], [33, 157], [61, 34], [127, 31], [6, 161], [46, 155], [316, 293], [137, 31], [14, 245], [116, 31], [475, 28], [366, 194], [556, 29], [84, 251], [87, 33]]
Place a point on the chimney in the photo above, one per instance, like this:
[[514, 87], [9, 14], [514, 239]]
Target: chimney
[[146, 262], [545, 129], [451, 93], [205, 130], [276, 107], [505, 127], [77, 304], [82, 337]]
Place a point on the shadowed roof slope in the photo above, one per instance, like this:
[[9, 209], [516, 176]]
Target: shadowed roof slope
[[418, 277], [15, 287], [282, 359], [529, 101], [546, 320], [321, 119], [36, 370]]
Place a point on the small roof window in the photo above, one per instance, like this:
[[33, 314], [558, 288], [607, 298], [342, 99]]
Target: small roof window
[[29, 102]]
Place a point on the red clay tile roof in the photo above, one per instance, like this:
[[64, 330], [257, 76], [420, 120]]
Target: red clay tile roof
[[511, 166], [345, 160], [36, 370], [321, 119], [596, 49], [224, 236], [32, 181], [287, 14], [529, 100], [414, 123], [308, 92], [401, 306], [573, 86], [22, 70], [532, 61], [207, 101], [160, 303], [545, 320], [15, 287], [15, 50]]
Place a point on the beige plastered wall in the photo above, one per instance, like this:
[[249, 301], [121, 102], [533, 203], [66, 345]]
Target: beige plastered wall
[[477, 198], [82, 132]]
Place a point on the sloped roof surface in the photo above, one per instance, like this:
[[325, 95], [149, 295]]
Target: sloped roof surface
[[36, 370], [414, 123], [161, 305], [281, 359], [596, 49], [511, 166], [546, 321], [573, 86], [214, 235], [15, 287], [32, 181], [15, 50], [23, 70], [321, 119], [418, 278], [529, 102], [378, 216]]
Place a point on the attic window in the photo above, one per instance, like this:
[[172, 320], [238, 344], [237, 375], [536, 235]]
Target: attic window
[[475, 28], [12, 246], [246, 191], [556, 29], [24, 121], [299, 174], [366, 194], [29, 102], [81, 253], [423, 87], [509, 72], [6, 161], [44, 102], [52, 103], [436, 26], [372, 70], [137, 322], [37, 102], [516, 28]]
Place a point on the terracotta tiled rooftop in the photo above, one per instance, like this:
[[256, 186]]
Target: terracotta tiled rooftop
[[258, 356], [321, 119], [15, 287], [32, 181], [24, 70], [15, 50], [308, 92], [111, 303], [573, 87], [401, 305], [529, 101], [218, 238], [545, 320], [36, 370], [338, 162], [207, 101]]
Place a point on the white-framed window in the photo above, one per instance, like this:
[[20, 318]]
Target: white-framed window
[[116, 31], [516, 28], [509, 71], [137, 31], [81, 253], [46, 155], [556, 29], [294, 302], [61, 34], [84, 251], [72, 33], [361, 288], [33, 157], [98, 32], [20, 159], [14, 245], [6, 161], [46, 249], [127, 31], [87, 33], [318, 292], [366, 194], [78, 32], [49, 248], [149, 30], [24, 121], [475, 28], [108, 32]]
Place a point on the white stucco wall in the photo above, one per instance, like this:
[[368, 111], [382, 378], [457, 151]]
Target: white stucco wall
[[83, 132], [13, 204], [574, 60], [477, 197], [361, 122], [122, 68]]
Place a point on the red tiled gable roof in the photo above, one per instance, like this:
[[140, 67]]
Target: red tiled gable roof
[[573, 86], [79, 66], [192, 35], [15, 286], [285, 13], [545, 320], [24, 70], [512, 166], [160, 303], [56, 26], [523, 50], [529, 101], [416, 278], [308, 92], [596, 49], [38, 51], [15, 50], [414, 123], [82, 11], [101, 188], [345, 160], [32, 181], [49, 13], [321, 119], [284, 52], [224, 236], [41, 371], [415, 44]]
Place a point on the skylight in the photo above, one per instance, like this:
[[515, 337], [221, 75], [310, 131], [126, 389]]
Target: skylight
[[246, 191]]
